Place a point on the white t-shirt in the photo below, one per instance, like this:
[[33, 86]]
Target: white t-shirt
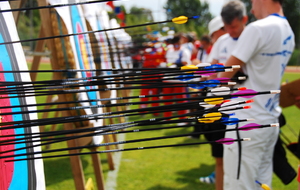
[[265, 47], [223, 48], [173, 55], [202, 55], [189, 46]]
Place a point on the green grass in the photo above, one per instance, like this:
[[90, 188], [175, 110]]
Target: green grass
[[157, 169]]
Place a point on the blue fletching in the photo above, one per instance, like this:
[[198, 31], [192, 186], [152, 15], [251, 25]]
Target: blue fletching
[[196, 86], [215, 66], [230, 121], [185, 77], [210, 83]]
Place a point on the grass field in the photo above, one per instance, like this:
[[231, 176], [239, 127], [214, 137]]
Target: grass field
[[159, 169]]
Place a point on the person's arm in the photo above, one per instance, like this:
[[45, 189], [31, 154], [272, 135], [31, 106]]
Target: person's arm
[[248, 44], [230, 62], [214, 61], [186, 57]]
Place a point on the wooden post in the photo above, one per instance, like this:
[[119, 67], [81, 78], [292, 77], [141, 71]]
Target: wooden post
[[75, 160], [98, 170], [16, 5], [37, 59]]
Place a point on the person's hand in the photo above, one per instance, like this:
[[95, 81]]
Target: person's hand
[[196, 61]]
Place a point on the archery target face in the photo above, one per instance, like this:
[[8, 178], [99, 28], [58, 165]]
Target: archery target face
[[6, 168], [25, 174]]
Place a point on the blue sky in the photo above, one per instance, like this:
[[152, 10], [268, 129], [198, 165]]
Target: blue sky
[[157, 6]]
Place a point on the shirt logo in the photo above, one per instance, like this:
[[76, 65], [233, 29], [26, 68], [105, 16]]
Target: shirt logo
[[224, 50]]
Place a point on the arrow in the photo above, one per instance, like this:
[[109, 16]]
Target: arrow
[[53, 6], [215, 91], [34, 89], [104, 30], [88, 117], [128, 149], [227, 121]]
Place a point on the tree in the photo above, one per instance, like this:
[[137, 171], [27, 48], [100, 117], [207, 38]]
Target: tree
[[291, 10], [138, 16], [29, 24], [189, 8]]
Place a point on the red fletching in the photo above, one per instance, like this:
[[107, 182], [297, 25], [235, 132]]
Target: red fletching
[[249, 101]]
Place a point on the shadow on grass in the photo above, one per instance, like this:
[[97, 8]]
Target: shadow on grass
[[189, 179], [58, 170]]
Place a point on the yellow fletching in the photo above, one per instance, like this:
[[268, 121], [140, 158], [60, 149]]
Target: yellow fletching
[[210, 117], [213, 101], [213, 115], [189, 67], [265, 187], [180, 20], [204, 120]]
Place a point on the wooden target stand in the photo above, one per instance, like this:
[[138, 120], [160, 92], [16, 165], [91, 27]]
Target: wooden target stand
[[75, 161]]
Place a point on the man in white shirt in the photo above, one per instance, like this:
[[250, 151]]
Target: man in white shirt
[[234, 18], [263, 50], [216, 29]]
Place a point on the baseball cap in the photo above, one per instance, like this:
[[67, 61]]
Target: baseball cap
[[215, 24]]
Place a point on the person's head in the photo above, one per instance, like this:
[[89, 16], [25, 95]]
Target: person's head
[[205, 41], [176, 42], [183, 38], [192, 36], [216, 29], [262, 8], [234, 17]]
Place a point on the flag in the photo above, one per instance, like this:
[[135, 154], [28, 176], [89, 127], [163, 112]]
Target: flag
[[121, 15], [111, 4]]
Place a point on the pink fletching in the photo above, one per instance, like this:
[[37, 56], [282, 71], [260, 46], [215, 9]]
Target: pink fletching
[[226, 141], [249, 127], [247, 91]]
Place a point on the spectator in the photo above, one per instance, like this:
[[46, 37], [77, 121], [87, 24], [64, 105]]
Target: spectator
[[176, 57], [216, 28], [204, 50]]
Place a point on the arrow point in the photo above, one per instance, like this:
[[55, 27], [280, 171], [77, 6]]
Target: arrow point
[[275, 91], [274, 125]]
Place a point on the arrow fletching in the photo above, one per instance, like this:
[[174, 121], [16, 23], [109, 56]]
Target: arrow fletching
[[180, 20], [189, 67], [220, 91], [214, 101], [185, 77], [226, 141], [230, 121], [249, 127], [247, 91]]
